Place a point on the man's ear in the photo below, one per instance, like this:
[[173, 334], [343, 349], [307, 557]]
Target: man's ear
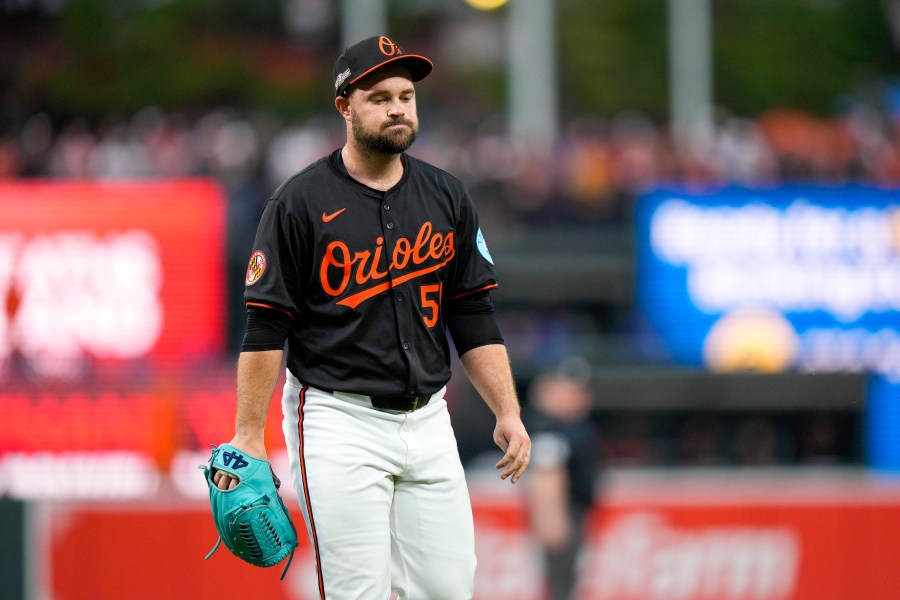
[[342, 104]]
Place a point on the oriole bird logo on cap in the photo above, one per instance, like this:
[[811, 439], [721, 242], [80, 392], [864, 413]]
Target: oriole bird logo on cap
[[371, 54]]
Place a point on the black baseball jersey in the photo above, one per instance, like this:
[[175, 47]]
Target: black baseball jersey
[[364, 274]]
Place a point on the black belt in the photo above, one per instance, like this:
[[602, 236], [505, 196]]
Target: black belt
[[400, 403], [397, 403]]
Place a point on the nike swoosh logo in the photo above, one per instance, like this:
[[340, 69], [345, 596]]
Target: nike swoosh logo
[[327, 218]]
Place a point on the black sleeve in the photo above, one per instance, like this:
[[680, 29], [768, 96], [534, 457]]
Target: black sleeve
[[473, 269], [267, 329], [471, 322]]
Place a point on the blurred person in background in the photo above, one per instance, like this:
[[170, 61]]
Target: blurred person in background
[[565, 466]]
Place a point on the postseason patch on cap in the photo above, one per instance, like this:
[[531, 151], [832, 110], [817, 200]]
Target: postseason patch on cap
[[341, 78], [256, 268]]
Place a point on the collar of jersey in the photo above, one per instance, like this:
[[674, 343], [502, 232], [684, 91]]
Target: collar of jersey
[[336, 161]]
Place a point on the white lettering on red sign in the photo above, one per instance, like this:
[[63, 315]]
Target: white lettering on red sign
[[75, 294], [641, 556], [502, 556]]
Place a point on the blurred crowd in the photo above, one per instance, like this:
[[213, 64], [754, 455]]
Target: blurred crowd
[[595, 169]]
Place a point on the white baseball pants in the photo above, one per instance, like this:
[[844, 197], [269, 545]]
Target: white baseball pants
[[383, 495]]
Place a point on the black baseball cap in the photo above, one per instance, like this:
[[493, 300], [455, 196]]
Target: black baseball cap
[[371, 54]]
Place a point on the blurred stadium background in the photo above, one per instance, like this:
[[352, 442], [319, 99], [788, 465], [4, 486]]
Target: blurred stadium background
[[701, 199]]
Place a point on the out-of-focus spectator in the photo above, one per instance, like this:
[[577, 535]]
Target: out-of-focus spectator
[[167, 143], [71, 152], [117, 154], [742, 153], [637, 148], [586, 170], [565, 464], [295, 146]]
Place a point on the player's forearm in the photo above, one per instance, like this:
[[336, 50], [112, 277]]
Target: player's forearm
[[257, 374], [488, 369]]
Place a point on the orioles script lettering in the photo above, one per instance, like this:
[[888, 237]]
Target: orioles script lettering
[[363, 267]]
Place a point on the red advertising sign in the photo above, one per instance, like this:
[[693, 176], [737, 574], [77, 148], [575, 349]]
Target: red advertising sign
[[770, 539], [745, 552], [186, 413], [93, 271]]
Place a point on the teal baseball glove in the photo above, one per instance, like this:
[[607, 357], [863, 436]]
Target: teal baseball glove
[[251, 519]]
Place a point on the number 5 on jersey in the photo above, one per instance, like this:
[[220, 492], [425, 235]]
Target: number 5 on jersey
[[431, 301]]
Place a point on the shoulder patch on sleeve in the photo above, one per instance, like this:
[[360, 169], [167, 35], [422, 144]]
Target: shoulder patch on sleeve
[[482, 246], [256, 268]]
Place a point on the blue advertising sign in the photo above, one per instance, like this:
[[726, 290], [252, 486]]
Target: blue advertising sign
[[882, 425], [801, 278]]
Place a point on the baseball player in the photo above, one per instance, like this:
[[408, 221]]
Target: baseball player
[[363, 262]]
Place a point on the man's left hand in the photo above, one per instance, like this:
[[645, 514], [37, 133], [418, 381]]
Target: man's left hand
[[512, 438]]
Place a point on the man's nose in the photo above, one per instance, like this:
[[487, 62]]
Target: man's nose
[[395, 108]]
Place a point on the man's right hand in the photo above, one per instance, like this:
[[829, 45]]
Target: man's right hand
[[251, 447]]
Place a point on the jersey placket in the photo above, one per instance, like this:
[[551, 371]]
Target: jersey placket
[[401, 298]]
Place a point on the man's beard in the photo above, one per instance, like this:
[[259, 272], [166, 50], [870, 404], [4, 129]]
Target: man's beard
[[380, 141]]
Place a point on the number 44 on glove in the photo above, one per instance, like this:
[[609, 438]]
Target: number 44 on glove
[[251, 519]]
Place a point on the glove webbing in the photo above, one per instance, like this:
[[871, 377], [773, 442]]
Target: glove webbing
[[244, 532], [244, 529]]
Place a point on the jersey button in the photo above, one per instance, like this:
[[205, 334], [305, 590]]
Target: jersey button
[[390, 225], [405, 345], [387, 207], [399, 297]]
